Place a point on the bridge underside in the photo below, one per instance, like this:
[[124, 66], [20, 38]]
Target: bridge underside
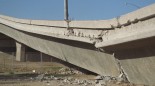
[[81, 54]]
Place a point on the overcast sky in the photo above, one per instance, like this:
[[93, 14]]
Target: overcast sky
[[78, 9]]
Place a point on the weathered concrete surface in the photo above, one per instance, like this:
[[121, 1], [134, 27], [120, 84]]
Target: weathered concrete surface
[[53, 38], [85, 31], [126, 19], [140, 14], [138, 64], [20, 52], [81, 54], [133, 32], [45, 30]]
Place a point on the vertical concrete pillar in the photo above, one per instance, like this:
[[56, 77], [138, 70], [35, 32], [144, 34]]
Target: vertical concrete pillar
[[20, 52], [41, 57]]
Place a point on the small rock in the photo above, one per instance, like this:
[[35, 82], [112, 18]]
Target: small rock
[[102, 82], [46, 78], [31, 78], [121, 78], [70, 78], [99, 77], [107, 78], [66, 80], [78, 81], [48, 84], [89, 82], [96, 81], [98, 84], [33, 71], [56, 78], [52, 77], [114, 78], [40, 77], [61, 84], [117, 83], [83, 81]]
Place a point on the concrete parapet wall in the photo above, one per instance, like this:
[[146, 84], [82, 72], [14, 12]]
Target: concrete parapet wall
[[84, 31], [24, 21], [133, 32], [141, 14], [43, 30]]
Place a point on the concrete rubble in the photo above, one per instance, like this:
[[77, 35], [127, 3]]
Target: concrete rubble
[[130, 37], [69, 80], [69, 71]]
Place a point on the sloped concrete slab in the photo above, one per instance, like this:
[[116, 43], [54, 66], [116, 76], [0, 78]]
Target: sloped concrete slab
[[78, 53], [138, 64]]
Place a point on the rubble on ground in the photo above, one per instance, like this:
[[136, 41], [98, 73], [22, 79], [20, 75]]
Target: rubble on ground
[[97, 81], [69, 71]]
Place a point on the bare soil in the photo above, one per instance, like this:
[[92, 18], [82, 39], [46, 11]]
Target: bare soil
[[13, 73]]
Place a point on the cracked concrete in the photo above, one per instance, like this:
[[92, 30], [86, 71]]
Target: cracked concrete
[[126, 36]]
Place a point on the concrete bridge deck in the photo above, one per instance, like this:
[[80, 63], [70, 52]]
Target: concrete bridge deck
[[107, 47]]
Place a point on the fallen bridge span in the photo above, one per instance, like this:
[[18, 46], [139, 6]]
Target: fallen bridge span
[[106, 47]]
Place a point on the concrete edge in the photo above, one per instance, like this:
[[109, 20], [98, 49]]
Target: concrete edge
[[140, 14], [47, 31]]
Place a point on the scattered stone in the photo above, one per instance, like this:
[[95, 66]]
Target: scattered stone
[[85, 84], [102, 82], [99, 77], [96, 81], [65, 80], [78, 81], [31, 78], [107, 78], [122, 78], [61, 84], [40, 77], [52, 77], [70, 78], [56, 78], [118, 82], [113, 78], [98, 84], [74, 71], [48, 84], [33, 71], [69, 71], [46, 78]]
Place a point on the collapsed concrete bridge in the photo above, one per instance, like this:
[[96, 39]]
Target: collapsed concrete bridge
[[108, 47]]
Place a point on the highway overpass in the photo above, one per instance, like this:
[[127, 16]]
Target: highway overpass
[[123, 45]]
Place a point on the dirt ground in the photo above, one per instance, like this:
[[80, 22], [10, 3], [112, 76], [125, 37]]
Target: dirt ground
[[13, 73]]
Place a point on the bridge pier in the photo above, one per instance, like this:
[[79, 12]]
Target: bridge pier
[[20, 52]]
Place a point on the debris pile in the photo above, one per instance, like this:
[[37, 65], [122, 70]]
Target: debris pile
[[97, 81], [69, 71]]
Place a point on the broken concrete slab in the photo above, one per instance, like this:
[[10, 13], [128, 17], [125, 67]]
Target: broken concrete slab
[[78, 53], [138, 64]]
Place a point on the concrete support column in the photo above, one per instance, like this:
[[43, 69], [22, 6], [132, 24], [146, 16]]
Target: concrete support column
[[20, 52]]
